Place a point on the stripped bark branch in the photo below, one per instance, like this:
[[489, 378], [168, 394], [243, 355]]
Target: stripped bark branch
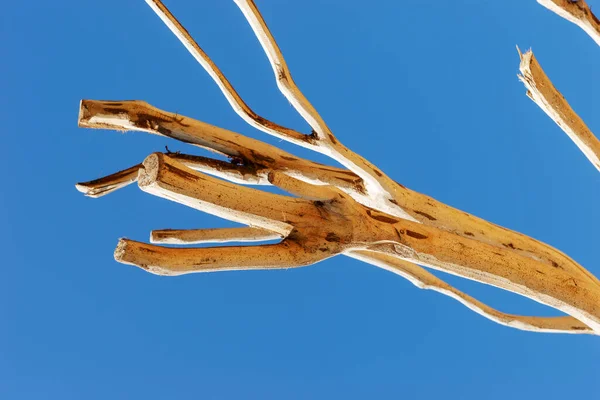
[[218, 235], [359, 212], [234, 99], [541, 90], [176, 261], [577, 12]]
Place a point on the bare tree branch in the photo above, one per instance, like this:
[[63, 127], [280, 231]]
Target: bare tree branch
[[135, 115], [572, 291], [179, 261], [234, 99], [577, 12], [541, 90], [425, 280], [359, 212], [380, 186], [165, 177]]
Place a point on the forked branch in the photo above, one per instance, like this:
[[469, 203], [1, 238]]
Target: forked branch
[[358, 212]]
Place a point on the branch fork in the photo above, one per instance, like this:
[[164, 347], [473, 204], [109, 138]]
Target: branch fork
[[356, 211]]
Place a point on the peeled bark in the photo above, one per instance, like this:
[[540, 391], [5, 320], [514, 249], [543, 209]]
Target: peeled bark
[[358, 211]]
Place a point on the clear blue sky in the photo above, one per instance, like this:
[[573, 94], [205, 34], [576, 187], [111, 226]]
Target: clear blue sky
[[426, 90]]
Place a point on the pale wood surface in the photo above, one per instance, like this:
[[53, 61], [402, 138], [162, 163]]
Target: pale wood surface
[[356, 211]]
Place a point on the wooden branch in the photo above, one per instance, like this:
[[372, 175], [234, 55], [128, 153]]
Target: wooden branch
[[167, 178], [137, 115], [140, 116], [573, 292], [179, 261], [108, 184], [240, 174], [426, 280], [224, 170], [577, 12], [301, 188], [283, 76], [377, 184], [218, 235], [234, 99], [339, 211], [541, 90]]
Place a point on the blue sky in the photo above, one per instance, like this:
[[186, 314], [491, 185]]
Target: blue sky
[[426, 90]]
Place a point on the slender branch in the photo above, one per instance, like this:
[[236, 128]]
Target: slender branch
[[135, 115], [577, 12], [108, 184], [377, 183], [240, 174], [541, 90], [218, 235], [572, 292], [286, 84], [179, 261], [140, 116], [426, 280], [234, 99], [383, 217]]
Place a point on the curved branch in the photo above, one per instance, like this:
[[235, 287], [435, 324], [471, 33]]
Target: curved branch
[[140, 116], [234, 99], [108, 184], [572, 292], [577, 12], [378, 185], [426, 280], [233, 173], [217, 235]]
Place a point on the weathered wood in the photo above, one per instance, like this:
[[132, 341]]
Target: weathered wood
[[423, 279], [541, 90], [217, 235], [577, 12], [359, 212]]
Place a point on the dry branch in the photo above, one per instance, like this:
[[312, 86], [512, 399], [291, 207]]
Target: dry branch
[[168, 261], [359, 212], [541, 90], [264, 158], [425, 280], [577, 12], [134, 115]]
